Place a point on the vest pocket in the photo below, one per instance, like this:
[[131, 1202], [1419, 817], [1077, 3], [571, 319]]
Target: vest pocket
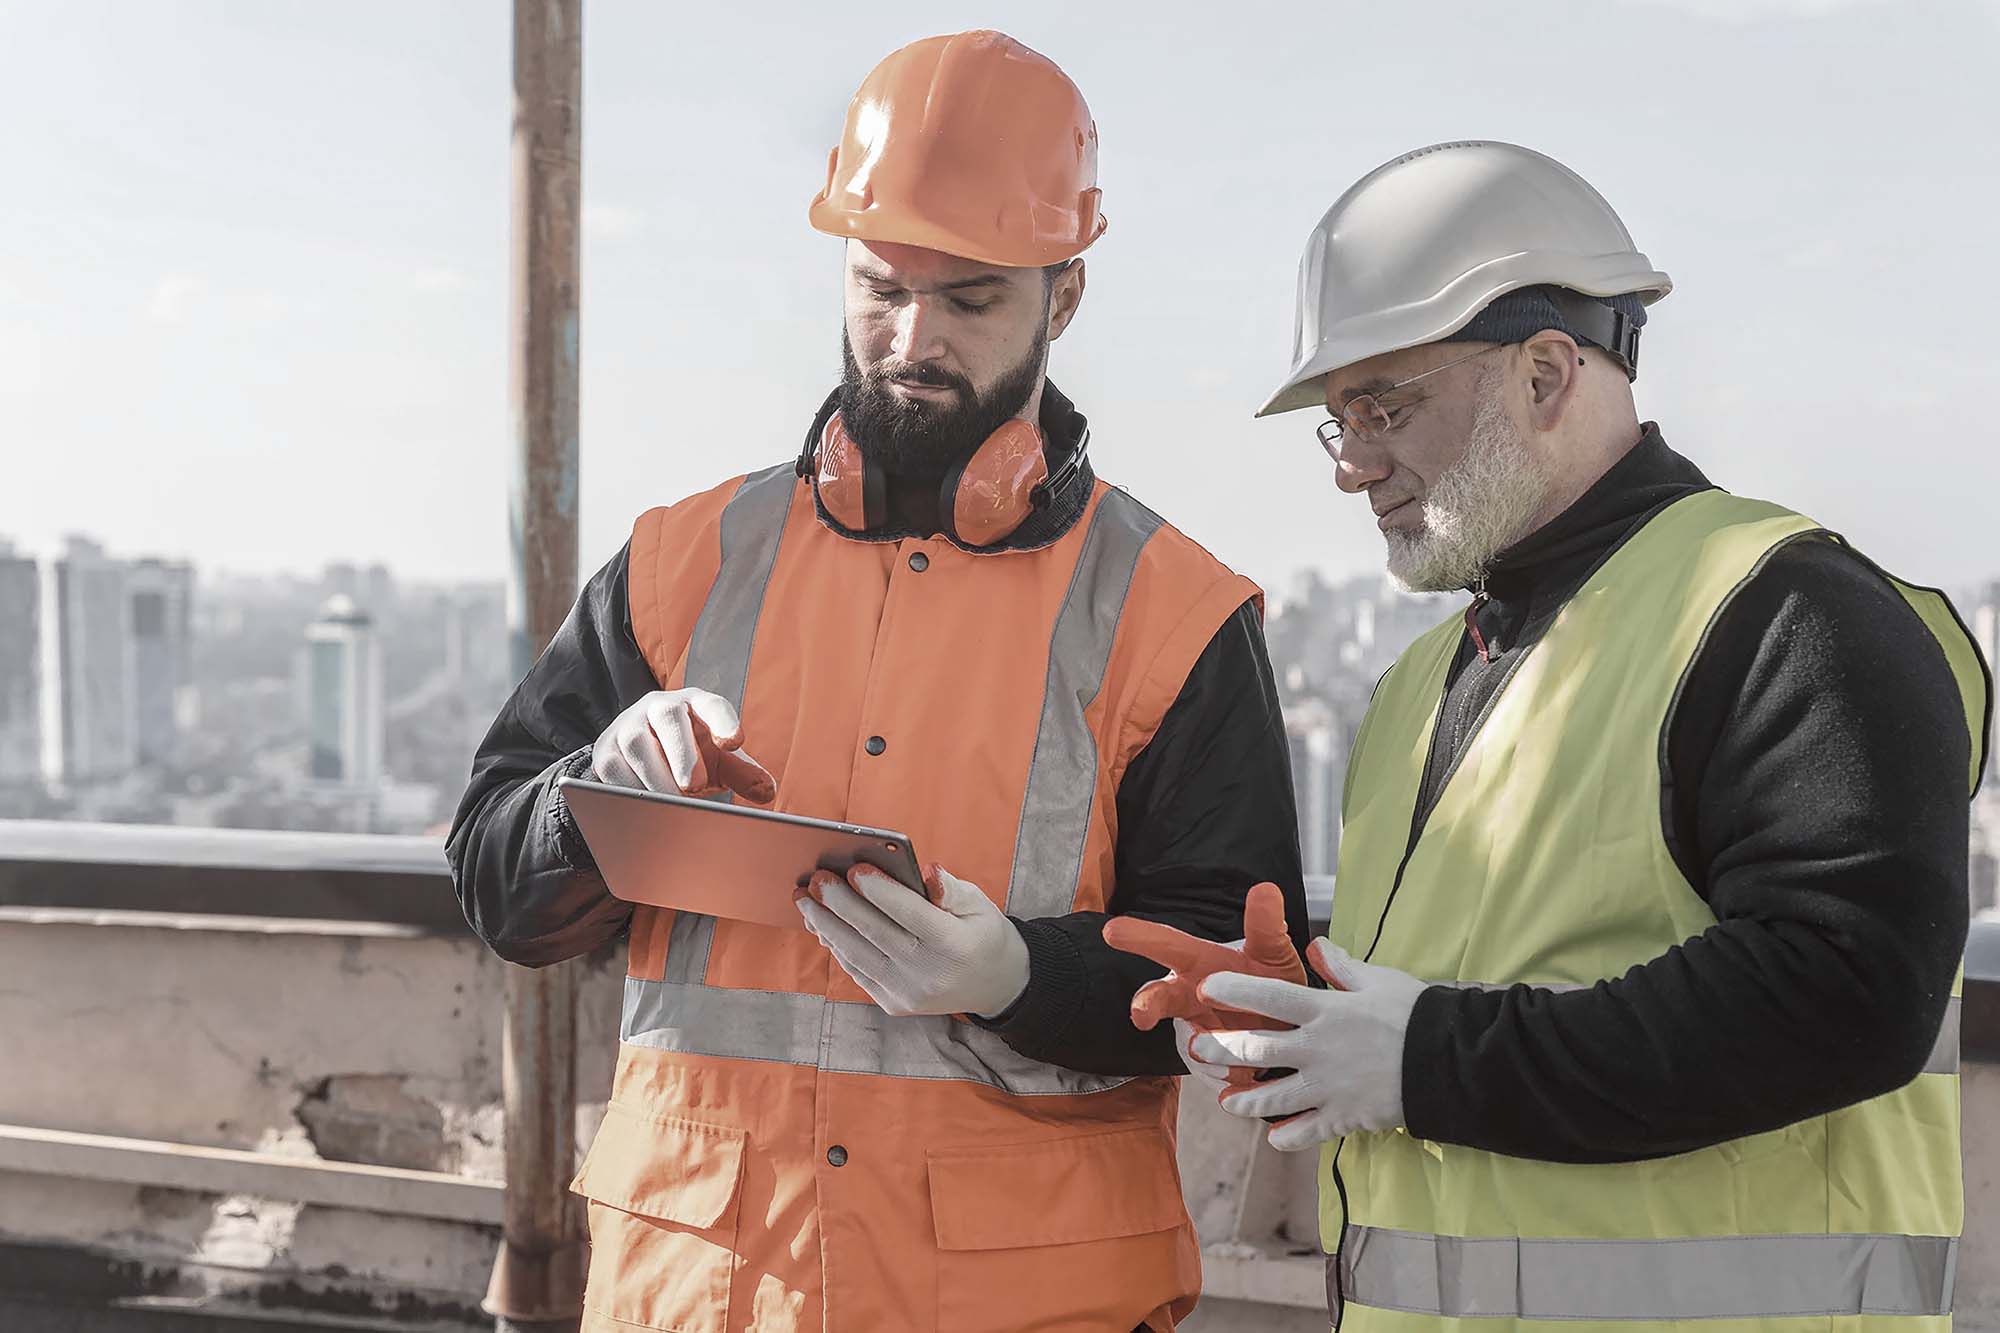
[[663, 1198], [1085, 1233]]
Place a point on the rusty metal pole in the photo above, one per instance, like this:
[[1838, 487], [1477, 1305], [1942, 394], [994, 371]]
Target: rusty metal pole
[[537, 1284]]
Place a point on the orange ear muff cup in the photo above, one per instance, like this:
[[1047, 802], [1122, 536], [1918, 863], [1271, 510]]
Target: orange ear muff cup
[[843, 482], [995, 491], [990, 496]]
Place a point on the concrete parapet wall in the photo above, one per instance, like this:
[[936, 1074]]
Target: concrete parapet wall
[[316, 1043], [312, 1041]]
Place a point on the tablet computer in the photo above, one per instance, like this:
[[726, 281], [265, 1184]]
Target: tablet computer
[[722, 860]]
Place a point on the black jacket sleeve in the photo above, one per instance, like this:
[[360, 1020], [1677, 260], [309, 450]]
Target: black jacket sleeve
[[1204, 812], [1815, 794], [523, 874]]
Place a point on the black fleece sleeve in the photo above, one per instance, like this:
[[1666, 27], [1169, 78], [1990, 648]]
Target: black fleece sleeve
[[1204, 812], [1815, 795], [524, 876]]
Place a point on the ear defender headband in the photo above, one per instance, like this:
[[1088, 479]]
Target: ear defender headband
[[982, 501]]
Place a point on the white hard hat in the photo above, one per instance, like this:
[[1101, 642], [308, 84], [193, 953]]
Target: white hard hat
[[1418, 247]]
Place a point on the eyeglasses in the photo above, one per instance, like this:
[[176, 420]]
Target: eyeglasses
[[1363, 415]]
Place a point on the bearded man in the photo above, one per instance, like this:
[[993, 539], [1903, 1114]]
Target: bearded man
[[909, 1113], [1652, 882]]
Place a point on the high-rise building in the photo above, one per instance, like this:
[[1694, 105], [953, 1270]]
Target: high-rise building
[[475, 637], [340, 579], [162, 598], [89, 703], [344, 696], [1318, 754], [377, 595], [20, 666]]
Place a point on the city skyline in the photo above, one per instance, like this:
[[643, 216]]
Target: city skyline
[[134, 691], [256, 357], [352, 700]]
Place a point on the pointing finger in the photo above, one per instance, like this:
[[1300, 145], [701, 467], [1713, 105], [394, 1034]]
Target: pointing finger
[[716, 719], [745, 776], [1170, 948]]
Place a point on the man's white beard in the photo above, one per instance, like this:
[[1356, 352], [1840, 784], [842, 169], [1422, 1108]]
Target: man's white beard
[[1480, 506]]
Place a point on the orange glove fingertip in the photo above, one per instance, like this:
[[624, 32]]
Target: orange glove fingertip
[[1149, 1005]]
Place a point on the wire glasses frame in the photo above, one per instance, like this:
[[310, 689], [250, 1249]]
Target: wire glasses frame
[[1365, 417]]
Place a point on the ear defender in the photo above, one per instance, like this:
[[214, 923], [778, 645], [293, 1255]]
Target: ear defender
[[993, 492], [851, 490], [983, 500]]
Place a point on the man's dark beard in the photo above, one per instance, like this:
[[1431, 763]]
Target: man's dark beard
[[910, 438]]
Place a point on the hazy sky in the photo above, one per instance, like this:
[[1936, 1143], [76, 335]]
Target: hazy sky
[[253, 256]]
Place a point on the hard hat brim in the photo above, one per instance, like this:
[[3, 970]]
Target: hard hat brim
[[1356, 339], [907, 229]]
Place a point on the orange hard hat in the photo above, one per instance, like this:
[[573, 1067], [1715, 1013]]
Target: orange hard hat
[[970, 144]]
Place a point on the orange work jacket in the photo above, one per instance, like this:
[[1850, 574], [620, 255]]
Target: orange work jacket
[[780, 1155]]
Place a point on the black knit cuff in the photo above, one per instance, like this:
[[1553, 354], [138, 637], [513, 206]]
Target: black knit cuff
[[570, 848], [1054, 994], [1433, 1108]]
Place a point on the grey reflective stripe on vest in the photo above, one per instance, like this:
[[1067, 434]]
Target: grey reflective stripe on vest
[[1723, 1277], [1062, 781], [1943, 1058], [718, 660], [681, 1013], [839, 1036], [1944, 1052]]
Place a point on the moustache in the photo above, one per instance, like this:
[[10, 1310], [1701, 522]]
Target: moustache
[[932, 377]]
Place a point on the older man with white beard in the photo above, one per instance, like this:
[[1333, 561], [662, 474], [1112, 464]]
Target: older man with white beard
[[1652, 881]]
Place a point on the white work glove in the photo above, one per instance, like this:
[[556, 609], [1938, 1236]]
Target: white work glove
[[961, 956], [1215, 1076], [1346, 1044], [680, 741]]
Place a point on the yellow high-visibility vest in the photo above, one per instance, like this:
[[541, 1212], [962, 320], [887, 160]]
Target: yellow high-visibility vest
[[1544, 863]]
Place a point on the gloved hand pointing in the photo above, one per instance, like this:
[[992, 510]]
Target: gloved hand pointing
[[685, 742]]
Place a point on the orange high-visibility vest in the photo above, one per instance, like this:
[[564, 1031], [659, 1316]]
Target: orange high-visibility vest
[[778, 1153]]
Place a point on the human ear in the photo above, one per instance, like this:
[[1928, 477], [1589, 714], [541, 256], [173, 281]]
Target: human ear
[[1065, 299], [1554, 366]]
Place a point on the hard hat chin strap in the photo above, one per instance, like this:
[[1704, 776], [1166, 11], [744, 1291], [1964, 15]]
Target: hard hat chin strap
[[1599, 323]]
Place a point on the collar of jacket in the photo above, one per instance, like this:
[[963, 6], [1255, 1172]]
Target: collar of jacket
[[1545, 568], [1063, 428]]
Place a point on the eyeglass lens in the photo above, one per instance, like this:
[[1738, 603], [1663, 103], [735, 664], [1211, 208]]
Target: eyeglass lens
[[1362, 416]]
